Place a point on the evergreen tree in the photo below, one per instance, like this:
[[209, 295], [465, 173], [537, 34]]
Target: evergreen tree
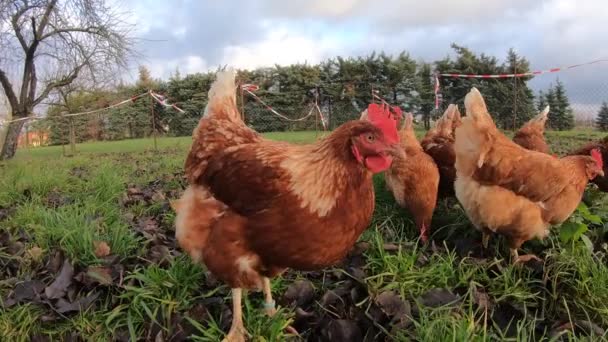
[[427, 93], [542, 101], [602, 117], [515, 111], [562, 117]]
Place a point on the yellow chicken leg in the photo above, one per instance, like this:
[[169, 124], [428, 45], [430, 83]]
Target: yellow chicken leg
[[269, 304], [270, 307], [237, 331], [485, 239], [516, 258]]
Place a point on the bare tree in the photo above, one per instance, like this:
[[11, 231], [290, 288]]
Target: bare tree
[[54, 43]]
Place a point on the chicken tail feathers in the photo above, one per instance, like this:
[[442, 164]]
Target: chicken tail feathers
[[222, 96], [475, 134]]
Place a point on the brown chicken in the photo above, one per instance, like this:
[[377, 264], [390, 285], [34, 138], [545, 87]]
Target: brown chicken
[[512, 191], [531, 135], [439, 144], [256, 207], [602, 146], [414, 180]]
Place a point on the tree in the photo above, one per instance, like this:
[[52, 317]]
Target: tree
[[562, 117], [427, 93], [602, 117], [55, 42], [520, 108], [542, 101]]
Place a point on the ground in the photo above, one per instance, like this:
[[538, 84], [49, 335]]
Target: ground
[[87, 251]]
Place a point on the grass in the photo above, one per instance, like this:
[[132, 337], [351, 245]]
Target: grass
[[69, 204]]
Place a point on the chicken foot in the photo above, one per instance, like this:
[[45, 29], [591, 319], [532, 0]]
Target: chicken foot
[[269, 305], [237, 331], [516, 258]]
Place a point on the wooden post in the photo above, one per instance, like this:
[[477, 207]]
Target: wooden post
[[242, 102], [153, 121], [72, 136], [27, 135]]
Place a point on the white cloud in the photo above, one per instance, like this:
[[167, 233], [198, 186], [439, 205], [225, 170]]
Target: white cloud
[[191, 64], [281, 46]]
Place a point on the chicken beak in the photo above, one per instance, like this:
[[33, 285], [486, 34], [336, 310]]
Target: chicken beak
[[396, 151], [600, 173]]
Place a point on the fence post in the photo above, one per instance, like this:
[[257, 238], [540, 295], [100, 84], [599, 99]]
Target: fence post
[[72, 136], [153, 121], [27, 135], [242, 103]]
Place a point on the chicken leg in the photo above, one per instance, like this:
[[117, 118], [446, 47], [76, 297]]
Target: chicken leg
[[237, 331], [424, 233], [269, 304], [485, 239], [516, 258]]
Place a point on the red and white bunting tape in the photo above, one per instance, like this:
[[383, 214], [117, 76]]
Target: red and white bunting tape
[[524, 74], [250, 87], [272, 110], [32, 118], [163, 101]]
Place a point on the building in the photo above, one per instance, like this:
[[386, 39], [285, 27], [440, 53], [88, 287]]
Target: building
[[33, 138]]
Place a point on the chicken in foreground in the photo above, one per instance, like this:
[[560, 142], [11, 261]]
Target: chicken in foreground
[[439, 144], [255, 207], [531, 135], [414, 180], [602, 146], [512, 191]]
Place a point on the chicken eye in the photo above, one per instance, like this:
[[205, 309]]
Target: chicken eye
[[370, 138]]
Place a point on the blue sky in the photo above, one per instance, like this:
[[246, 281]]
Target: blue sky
[[199, 35]]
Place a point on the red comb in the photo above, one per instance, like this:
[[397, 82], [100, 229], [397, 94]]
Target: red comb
[[382, 118], [597, 156], [397, 111]]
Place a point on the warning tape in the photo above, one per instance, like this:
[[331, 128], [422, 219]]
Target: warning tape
[[516, 75], [157, 97], [33, 118], [524, 74], [162, 100], [272, 110]]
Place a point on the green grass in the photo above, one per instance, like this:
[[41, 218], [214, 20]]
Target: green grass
[[68, 204]]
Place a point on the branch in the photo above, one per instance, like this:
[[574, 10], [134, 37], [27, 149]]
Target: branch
[[62, 82], [17, 29], [92, 30], [8, 90], [45, 19]]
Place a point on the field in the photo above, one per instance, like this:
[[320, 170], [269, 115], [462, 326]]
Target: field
[[87, 252]]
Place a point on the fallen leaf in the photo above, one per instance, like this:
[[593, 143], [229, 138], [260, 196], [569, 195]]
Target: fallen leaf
[[58, 288], [438, 297], [55, 262], [480, 297], [101, 249], [98, 275], [342, 330], [300, 292], [63, 306], [35, 253], [28, 290], [393, 305]]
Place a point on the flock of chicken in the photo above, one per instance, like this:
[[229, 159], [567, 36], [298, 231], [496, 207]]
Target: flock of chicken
[[255, 207]]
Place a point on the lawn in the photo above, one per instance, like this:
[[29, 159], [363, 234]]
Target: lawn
[[87, 252]]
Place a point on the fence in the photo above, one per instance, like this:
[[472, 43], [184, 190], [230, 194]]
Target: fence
[[319, 107]]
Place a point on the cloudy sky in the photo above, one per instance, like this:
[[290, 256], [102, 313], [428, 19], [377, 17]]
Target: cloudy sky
[[199, 35]]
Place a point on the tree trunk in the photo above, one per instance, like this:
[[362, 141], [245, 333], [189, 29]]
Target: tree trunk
[[9, 147]]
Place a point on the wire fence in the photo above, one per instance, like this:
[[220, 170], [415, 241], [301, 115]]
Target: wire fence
[[318, 108]]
